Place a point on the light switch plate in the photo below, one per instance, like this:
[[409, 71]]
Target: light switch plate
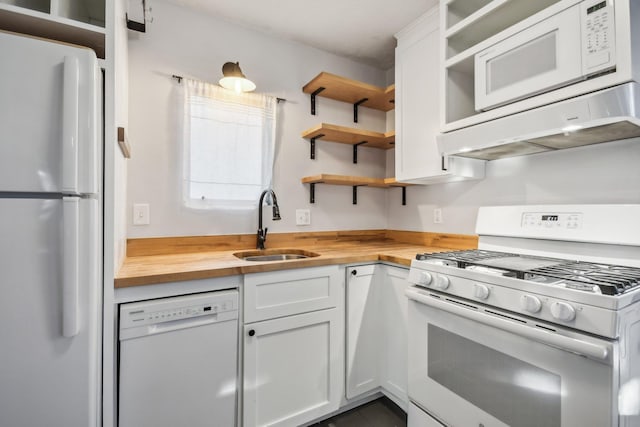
[[141, 214], [303, 217], [437, 216]]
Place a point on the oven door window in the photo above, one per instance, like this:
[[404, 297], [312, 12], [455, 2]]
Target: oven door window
[[513, 391]]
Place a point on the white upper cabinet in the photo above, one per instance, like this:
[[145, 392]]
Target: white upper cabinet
[[418, 77], [80, 22]]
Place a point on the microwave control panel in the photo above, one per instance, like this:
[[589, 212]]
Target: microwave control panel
[[598, 36]]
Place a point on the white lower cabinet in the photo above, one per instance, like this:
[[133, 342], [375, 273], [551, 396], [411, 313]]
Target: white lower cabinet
[[292, 368], [363, 330], [395, 311], [293, 346], [377, 331]]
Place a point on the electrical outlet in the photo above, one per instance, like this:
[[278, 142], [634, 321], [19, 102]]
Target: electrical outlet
[[141, 214], [437, 216], [303, 217]]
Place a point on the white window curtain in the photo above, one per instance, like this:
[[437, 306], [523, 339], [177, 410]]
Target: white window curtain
[[229, 146]]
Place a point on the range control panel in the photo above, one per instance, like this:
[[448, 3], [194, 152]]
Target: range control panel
[[538, 220], [170, 309]]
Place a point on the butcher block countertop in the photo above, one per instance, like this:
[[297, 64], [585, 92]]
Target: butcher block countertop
[[172, 259]]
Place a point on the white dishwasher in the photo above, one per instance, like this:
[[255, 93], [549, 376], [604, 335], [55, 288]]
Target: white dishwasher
[[178, 361]]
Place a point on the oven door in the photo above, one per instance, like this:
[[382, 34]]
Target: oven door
[[545, 56], [470, 365]]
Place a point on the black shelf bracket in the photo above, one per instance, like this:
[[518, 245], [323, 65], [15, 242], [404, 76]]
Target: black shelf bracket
[[355, 193], [313, 100], [312, 154], [355, 109], [355, 151], [312, 192]]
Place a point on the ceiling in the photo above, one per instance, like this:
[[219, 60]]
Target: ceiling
[[358, 29]]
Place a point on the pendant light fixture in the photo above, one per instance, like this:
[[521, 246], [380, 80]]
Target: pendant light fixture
[[233, 79]]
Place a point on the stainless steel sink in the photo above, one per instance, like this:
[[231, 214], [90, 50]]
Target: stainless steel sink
[[274, 255], [278, 257]]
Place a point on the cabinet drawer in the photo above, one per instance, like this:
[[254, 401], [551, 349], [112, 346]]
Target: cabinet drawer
[[284, 293]]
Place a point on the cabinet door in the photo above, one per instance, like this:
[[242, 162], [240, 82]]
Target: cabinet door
[[417, 112], [394, 371], [292, 368], [417, 105], [364, 336]]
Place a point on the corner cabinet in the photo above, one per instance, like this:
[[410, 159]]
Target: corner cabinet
[[376, 332], [417, 113], [363, 330]]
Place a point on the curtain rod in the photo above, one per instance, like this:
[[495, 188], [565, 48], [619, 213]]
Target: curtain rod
[[179, 79]]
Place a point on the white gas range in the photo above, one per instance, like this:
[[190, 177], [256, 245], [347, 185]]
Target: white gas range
[[538, 327]]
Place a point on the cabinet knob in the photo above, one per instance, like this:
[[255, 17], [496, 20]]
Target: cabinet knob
[[252, 332], [354, 272]]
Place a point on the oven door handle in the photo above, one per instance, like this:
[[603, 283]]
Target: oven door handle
[[574, 345]]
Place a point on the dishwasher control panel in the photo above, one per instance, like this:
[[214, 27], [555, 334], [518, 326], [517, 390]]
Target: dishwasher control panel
[[169, 309]]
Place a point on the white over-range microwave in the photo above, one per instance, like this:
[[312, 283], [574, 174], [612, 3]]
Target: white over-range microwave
[[575, 44]]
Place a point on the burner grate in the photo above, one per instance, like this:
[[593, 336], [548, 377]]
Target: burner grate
[[610, 279], [463, 258]]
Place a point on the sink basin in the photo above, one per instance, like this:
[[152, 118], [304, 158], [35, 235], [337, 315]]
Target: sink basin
[[275, 255]]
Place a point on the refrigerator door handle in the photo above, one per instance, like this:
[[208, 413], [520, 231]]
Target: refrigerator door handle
[[70, 266], [70, 111]]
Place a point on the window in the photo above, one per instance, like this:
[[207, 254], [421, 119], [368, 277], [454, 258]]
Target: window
[[229, 141]]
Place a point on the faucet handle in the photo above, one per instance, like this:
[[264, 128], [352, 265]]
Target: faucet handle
[[264, 234]]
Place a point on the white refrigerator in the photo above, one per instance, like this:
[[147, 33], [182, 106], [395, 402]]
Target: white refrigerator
[[50, 234]]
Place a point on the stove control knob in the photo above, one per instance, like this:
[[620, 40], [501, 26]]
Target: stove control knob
[[563, 311], [425, 278], [480, 291], [530, 303], [442, 282]]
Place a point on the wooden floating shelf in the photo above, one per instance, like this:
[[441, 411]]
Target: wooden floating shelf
[[351, 136], [359, 181], [339, 88], [346, 135], [354, 182]]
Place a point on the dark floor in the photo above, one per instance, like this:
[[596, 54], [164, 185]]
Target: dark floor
[[378, 413]]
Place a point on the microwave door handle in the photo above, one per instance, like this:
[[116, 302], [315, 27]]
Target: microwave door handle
[[70, 266], [573, 345], [70, 111]]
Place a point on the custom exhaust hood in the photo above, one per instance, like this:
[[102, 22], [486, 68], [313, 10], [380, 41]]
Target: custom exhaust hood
[[606, 115]]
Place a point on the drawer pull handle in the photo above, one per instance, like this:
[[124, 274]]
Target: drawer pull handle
[[354, 272], [252, 332]]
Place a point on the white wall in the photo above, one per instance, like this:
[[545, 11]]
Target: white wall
[[191, 44], [603, 173]]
